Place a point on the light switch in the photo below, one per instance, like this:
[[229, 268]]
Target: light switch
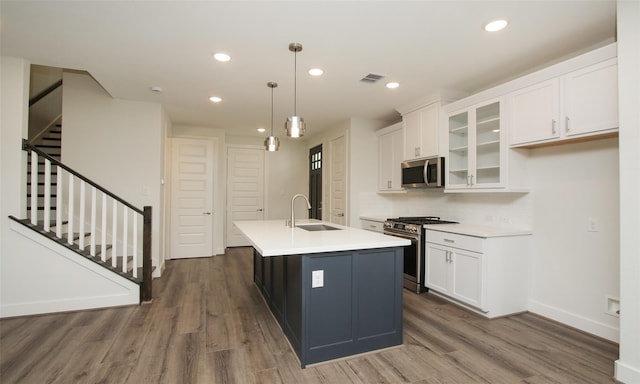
[[317, 278]]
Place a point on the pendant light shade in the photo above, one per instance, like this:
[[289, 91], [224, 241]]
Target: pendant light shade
[[271, 143], [295, 126]]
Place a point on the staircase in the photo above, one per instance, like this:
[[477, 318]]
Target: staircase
[[84, 217], [78, 214]]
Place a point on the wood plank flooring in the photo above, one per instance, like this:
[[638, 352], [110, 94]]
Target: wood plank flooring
[[209, 324]]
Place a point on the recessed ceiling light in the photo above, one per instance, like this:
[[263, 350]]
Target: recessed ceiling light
[[316, 72], [392, 85], [215, 99], [156, 89], [261, 129], [495, 25], [221, 56]]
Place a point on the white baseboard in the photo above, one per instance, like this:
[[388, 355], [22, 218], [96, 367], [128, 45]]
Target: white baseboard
[[576, 321], [626, 374], [66, 305]]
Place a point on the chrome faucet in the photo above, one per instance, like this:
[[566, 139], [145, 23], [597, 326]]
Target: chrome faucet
[[292, 223]]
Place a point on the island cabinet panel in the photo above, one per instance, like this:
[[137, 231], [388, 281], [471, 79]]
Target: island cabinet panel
[[293, 298], [257, 268], [329, 313], [354, 307]]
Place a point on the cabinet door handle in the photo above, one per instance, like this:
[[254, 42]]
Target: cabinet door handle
[[449, 241], [206, 213], [553, 126], [566, 124], [417, 151], [389, 184]]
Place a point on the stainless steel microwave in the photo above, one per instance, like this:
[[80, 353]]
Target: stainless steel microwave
[[423, 173]]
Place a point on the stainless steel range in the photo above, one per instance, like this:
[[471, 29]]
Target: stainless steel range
[[411, 228]]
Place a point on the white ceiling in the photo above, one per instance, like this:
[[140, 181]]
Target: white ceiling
[[129, 46]]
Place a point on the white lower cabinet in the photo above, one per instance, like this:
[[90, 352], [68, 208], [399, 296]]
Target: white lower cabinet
[[372, 225], [487, 275]]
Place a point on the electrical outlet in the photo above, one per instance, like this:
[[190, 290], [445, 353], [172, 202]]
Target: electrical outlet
[[317, 279], [612, 306], [593, 225]]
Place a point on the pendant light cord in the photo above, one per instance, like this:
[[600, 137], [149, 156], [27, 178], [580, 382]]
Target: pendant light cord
[[295, 81], [271, 111]]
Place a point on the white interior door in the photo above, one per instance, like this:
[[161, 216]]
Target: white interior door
[[192, 164], [245, 190], [338, 180]]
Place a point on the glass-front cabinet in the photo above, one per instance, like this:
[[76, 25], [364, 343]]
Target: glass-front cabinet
[[476, 150]]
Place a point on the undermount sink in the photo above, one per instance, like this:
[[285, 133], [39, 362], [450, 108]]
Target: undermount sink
[[317, 227]]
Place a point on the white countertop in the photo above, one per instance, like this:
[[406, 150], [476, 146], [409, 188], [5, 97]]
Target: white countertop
[[478, 230], [274, 238]]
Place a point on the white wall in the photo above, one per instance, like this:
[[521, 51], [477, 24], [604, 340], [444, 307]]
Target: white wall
[[118, 144], [628, 365], [573, 269], [363, 166]]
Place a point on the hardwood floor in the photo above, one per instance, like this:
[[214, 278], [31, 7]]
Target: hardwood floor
[[209, 324]]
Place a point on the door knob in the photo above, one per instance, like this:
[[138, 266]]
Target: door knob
[[340, 215], [206, 213], [259, 209]]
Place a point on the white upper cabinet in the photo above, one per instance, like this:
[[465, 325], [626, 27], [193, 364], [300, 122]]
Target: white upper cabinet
[[535, 113], [390, 151], [579, 105], [421, 132], [591, 99], [476, 149]]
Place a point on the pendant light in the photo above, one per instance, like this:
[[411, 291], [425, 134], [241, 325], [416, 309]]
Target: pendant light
[[294, 126], [271, 143]]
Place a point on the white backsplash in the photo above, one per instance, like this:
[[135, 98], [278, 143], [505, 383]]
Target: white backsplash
[[497, 209]]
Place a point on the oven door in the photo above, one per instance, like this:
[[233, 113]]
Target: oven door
[[412, 262]]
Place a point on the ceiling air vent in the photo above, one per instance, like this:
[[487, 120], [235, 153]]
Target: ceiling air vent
[[371, 78]]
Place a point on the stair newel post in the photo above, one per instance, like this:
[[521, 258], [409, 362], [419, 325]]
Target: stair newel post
[[146, 293]]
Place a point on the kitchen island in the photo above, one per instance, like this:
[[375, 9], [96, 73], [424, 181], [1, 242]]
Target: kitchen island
[[335, 291]]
